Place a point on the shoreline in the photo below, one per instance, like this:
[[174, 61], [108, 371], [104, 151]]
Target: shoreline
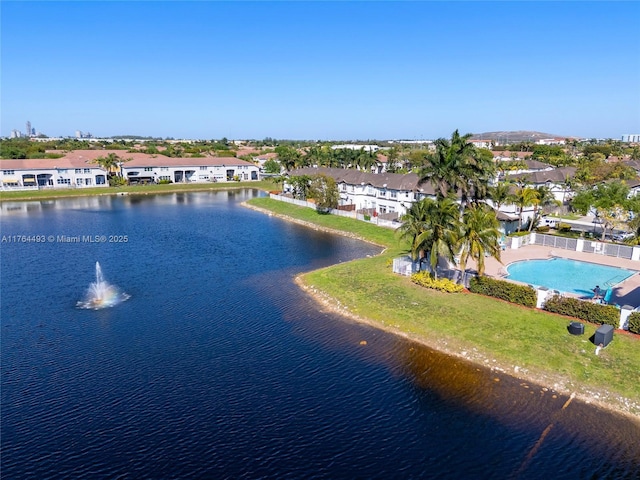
[[600, 399], [125, 191]]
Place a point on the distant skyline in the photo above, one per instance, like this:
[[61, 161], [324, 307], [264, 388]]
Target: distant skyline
[[320, 70]]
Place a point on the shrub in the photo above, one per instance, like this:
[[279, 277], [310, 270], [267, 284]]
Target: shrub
[[543, 228], [634, 322], [563, 227], [425, 279], [591, 312], [511, 292], [117, 181], [164, 182]]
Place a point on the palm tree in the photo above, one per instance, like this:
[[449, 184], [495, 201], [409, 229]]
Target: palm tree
[[366, 160], [413, 224], [457, 167], [444, 165], [441, 231], [524, 197], [109, 163], [479, 236], [500, 194], [543, 198]]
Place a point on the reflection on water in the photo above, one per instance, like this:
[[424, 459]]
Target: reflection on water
[[218, 366]]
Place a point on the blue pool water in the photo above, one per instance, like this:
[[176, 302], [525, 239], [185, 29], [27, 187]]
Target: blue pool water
[[570, 276]]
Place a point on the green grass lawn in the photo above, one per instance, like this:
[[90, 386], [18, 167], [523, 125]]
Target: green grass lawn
[[131, 189], [515, 336]]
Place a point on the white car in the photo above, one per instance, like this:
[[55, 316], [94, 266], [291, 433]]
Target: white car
[[621, 237]]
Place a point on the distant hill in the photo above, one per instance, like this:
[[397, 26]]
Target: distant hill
[[515, 136]]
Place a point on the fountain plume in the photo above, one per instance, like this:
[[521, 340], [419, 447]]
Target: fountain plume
[[101, 294]]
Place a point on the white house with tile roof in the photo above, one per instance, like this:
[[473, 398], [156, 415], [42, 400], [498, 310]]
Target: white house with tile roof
[[66, 172], [143, 168], [80, 169]]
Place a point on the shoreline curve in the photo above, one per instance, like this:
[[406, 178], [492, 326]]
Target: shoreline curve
[[601, 399]]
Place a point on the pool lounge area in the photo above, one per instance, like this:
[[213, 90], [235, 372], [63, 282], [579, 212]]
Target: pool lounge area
[[568, 276], [627, 292]]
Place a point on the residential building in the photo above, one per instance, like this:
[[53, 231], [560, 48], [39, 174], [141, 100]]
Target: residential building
[[80, 168], [382, 193], [390, 195], [144, 168], [51, 173]]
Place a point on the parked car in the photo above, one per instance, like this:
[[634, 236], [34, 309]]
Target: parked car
[[548, 222], [621, 237]]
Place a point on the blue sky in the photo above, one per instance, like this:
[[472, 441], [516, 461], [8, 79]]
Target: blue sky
[[320, 70]]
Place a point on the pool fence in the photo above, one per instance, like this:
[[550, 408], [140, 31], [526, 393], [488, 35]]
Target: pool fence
[[577, 245]]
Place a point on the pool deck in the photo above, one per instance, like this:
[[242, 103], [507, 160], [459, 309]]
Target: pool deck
[[625, 293]]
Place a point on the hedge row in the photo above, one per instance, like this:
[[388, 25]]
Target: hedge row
[[634, 322], [425, 279], [591, 312], [511, 292]]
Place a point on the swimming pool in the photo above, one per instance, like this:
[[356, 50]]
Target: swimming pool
[[570, 276]]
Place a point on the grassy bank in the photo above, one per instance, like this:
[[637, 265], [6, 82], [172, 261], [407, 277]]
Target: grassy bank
[[130, 189], [528, 343]]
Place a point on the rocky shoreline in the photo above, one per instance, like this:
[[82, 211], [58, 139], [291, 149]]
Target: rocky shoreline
[[600, 399]]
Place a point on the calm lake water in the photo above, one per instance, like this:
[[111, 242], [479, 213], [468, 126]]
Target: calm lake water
[[218, 366]]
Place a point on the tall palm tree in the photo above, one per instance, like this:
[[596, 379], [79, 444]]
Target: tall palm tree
[[524, 197], [413, 224], [457, 167], [500, 194], [444, 165], [366, 160], [543, 198], [441, 231], [109, 163], [479, 236]]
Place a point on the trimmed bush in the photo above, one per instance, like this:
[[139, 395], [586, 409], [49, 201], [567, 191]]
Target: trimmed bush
[[511, 292], [634, 322], [425, 279], [543, 229], [591, 312], [563, 227]]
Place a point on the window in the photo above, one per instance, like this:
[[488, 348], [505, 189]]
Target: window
[[164, 169], [87, 181], [86, 170], [63, 181], [164, 177], [203, 168], [394, 194], [148, 169], [78, 170], [9, 172]]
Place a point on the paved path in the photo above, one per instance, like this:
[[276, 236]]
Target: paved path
[[625, 293]]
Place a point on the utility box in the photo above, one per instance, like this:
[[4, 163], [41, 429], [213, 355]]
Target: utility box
[[603, 335], [576, 328]]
